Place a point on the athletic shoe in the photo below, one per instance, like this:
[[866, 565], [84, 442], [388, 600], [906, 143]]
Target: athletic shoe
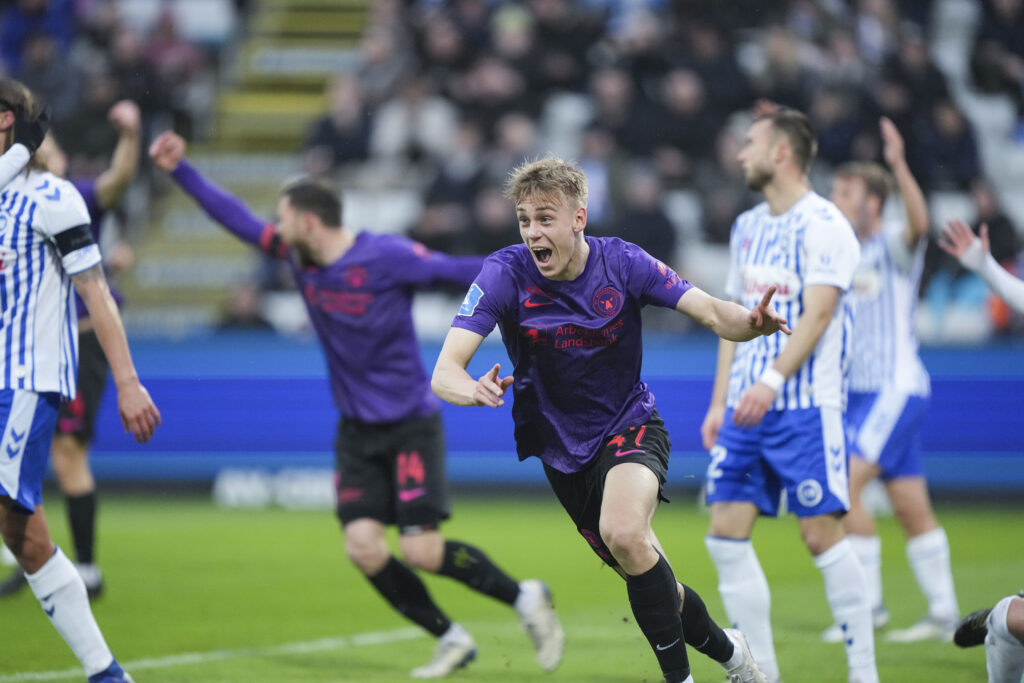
[[13, 583], [744, 671], [879, 619], [925, 629], [537, 614], [972, 629], [112, 674], [455, 649], [93, 579]]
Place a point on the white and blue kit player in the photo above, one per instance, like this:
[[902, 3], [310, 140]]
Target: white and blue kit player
[[890, 388], [45, 247], [774, 429]]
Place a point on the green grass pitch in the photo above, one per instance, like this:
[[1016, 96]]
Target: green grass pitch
[[199, 593]]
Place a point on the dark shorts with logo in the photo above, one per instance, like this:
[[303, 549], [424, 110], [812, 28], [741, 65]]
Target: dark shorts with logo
[[581, 493], [77, 418], [392, 472]]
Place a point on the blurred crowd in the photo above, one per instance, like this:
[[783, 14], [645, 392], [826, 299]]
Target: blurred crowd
[[650, 96]]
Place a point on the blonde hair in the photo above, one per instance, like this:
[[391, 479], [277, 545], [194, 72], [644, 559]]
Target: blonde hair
[[877, 180], [547, 178]]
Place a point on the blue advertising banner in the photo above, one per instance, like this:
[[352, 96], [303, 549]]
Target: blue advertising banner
[[263, 401]]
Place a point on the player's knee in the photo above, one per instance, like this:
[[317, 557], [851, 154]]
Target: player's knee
[[366, 552], [820, 537], [423, 553], [624, 539], [1015, 619]]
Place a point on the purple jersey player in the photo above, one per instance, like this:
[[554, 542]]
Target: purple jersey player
[[358, 291], [568, 307]]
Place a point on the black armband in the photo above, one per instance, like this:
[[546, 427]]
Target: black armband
[[73, 239]]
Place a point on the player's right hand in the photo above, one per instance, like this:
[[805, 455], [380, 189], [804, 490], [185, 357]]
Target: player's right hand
[[167, 150], [710, 426], [28, 131], [139, 414], [961, 243], [125, 116], [490, 388]]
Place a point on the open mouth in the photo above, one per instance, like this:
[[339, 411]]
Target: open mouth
[[542, 254]]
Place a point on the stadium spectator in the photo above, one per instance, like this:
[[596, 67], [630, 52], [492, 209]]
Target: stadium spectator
[[720, 181], [1001, 629], [642, 219], [390, 445], [416, 126], [45, 73], [23, 19], [564, 301], [340, 137], [890, 389], [57, 230], [687, 129], [76, 423], [997, 58], [946, 151], [493, 228], [777, 424]]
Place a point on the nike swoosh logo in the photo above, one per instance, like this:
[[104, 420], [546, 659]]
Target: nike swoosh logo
[[659, 648], [529, 303], [49, 612], [619, 453]]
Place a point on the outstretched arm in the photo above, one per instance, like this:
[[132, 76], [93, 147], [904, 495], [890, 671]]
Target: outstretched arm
[[913, 198], [138, 413], [112, 183], [451, 381], [730, 320], [168, 152], [975, 255]]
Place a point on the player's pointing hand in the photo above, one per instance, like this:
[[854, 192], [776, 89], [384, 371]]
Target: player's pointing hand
[[765, 319], [490, 388]]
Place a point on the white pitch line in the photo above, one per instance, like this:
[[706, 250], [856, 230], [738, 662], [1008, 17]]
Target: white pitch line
[[339, 643]]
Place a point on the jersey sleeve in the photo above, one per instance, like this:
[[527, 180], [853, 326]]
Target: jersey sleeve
[[733, 284], [832, 252], [649, 280], [13, 162], [61, 208], [417, 265], [902, 256], [228, 210], [490, 298]]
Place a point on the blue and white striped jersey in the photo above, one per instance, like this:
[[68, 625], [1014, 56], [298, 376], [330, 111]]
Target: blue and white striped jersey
[[39, 327], [810, 244], [884, 302]]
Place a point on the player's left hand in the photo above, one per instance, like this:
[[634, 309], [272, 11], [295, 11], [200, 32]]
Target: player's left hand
[[490, 388], [765, 319], [754, 403], [139, 415], [892, 142]]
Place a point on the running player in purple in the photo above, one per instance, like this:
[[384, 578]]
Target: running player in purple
[[77, 418], [390, 449], [568, 308]]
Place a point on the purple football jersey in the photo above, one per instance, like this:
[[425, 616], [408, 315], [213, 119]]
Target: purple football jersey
[[360, 306], [575, 346]]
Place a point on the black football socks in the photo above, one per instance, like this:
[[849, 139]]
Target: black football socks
[[654, 598], [472, 567], [405, 591], [702, 633]]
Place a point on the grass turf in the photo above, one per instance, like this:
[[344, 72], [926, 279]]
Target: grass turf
[[184, 576]]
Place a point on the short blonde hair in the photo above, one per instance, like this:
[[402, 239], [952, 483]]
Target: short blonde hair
[[547, 178], [877, 180]]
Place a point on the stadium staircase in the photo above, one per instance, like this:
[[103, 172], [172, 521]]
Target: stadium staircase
[[271, 89]]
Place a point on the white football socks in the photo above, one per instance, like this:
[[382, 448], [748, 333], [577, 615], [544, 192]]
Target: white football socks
[[60, 591], [868, 550], [745, 594], [928, 554], [846, 592], [1004, 654]]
